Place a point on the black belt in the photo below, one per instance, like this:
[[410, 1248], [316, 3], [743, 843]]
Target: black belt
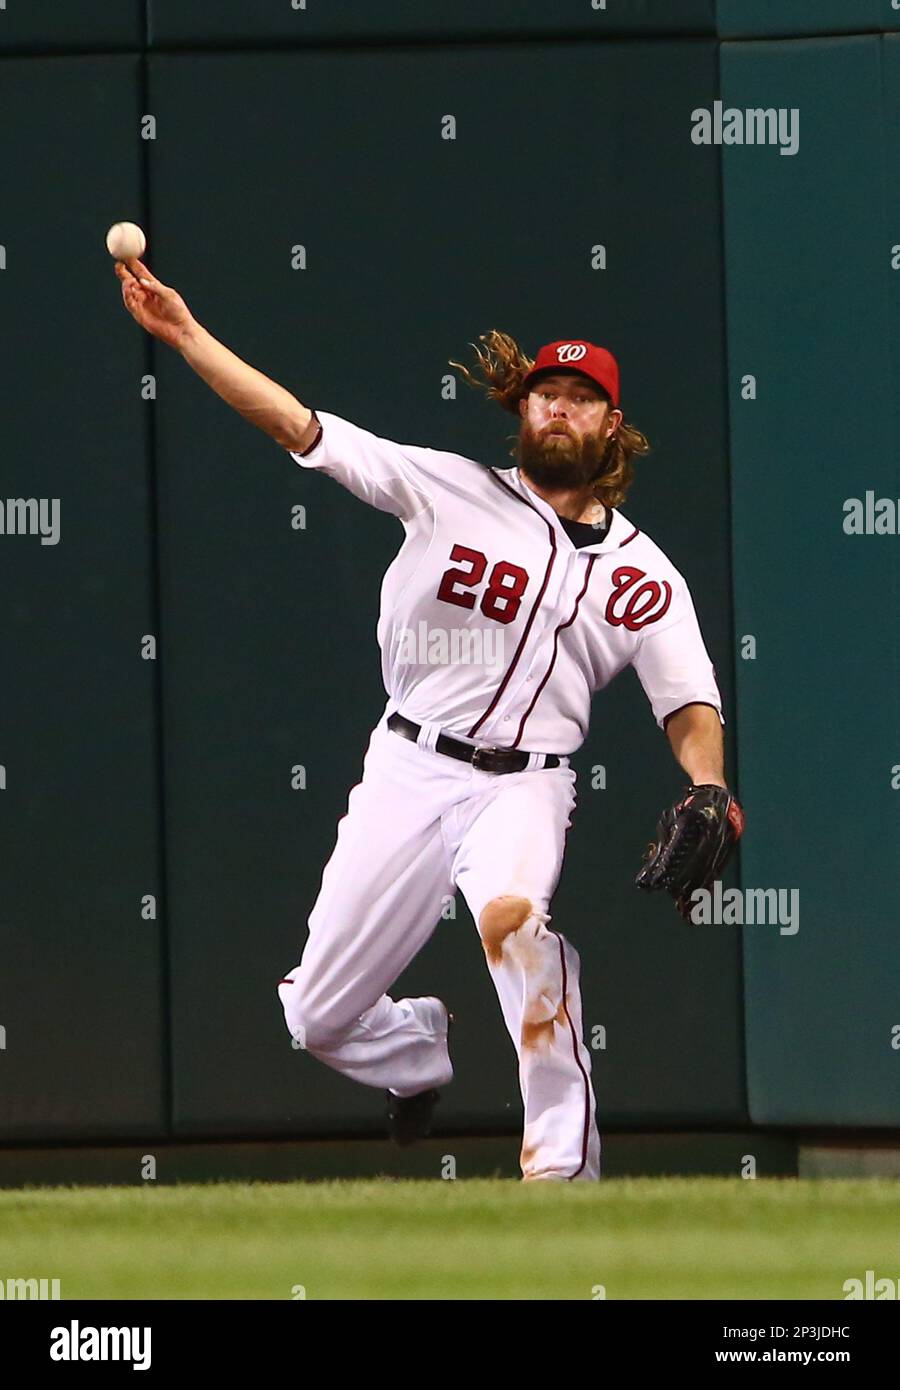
[[486, 759]]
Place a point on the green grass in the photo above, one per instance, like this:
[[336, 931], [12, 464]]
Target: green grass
[[491, 1238]]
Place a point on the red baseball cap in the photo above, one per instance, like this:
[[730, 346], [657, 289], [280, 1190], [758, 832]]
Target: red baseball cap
[[578, 356]]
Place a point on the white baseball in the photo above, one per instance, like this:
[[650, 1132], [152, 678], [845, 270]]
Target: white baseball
[[125, 240]]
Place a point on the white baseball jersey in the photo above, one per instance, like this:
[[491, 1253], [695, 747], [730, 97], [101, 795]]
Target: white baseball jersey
[[493, 624]]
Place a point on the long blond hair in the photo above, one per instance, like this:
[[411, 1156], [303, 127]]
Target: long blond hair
[[500, 370]]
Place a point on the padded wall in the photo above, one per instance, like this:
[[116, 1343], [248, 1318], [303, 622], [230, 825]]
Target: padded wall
[[414, 245], [71, 25], [231, 22], [80, 967], [791, 18], [814, 315], [268, 660]]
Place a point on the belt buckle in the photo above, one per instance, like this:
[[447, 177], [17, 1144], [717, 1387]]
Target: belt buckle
[[485, 752]]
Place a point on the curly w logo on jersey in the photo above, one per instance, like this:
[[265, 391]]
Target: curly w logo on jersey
[[634, 604]]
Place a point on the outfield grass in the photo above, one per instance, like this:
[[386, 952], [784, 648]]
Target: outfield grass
[[639, 1238]]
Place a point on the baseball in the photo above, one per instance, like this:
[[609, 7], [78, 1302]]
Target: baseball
[[125, 240]]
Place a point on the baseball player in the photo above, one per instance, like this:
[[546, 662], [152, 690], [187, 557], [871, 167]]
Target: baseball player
[[517, 592]]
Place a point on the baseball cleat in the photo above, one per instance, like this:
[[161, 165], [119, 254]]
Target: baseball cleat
[[411, 1117]]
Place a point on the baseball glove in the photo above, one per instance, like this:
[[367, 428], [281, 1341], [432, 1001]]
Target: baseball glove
[[694, 841]]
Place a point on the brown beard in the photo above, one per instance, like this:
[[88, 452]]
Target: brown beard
[[566, 464]]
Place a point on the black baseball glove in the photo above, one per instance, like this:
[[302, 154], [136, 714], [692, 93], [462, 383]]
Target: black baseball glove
[[694, 841]]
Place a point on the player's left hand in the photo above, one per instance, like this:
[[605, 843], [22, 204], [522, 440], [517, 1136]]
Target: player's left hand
[[694, 841]]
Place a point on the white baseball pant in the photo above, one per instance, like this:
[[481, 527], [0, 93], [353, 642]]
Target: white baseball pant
[[418, 825]]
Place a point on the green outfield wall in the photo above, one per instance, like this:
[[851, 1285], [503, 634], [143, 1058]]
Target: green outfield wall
[[191, 668]]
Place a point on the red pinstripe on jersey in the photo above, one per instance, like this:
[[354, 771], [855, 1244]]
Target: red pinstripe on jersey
[[568, 623], [534, 608]]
